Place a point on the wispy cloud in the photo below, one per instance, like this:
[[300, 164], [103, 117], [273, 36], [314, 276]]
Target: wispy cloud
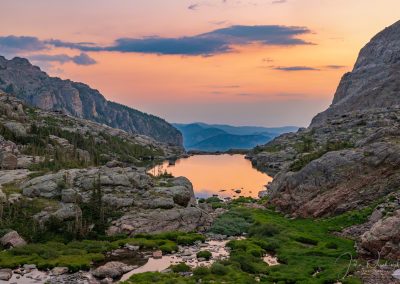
[[335, 66], [82, 59], [295, 68], [193, 6], [214, 42], [279, 1], [218, 23], [224, 86], [267, 60]]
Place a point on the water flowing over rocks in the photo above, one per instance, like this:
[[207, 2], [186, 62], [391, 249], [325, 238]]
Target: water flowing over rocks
[[348, 158]]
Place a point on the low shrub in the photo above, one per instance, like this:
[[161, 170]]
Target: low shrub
[[190, 239], [219, 269], [181, 267], [232, 223], [201, 271], [213, 199], [248, 262], [204, 254], [75, 255], [264, 230]]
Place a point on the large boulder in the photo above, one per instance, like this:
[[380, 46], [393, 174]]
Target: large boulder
[[383, 239], [48, 186], [17, 128], [8, 161], [181, 192], [5, 274], [12, 239], [70, 195], [113, 269], [68, 211]]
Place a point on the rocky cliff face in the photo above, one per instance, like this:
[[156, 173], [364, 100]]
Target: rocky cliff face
[[373, 82], [348, 158], [35, 87]]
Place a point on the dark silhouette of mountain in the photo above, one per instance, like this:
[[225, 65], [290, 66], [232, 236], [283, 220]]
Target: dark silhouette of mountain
[[225, 142], [221, 137]]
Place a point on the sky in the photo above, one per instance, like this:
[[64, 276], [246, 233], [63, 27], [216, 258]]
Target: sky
[[240, 62]]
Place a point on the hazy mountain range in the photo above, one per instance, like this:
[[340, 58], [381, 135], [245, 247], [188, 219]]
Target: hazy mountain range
[[220, 137]]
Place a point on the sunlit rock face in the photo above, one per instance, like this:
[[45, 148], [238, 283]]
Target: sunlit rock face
[[374, 82]]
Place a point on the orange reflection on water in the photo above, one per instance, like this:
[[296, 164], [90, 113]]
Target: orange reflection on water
[[219, 174]]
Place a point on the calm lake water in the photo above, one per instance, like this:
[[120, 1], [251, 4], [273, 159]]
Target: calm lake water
[[218, 174]]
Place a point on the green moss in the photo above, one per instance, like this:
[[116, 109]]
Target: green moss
[[75, 255], [10, 188]]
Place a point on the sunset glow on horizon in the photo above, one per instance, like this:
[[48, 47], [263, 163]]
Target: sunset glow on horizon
[[254, 62]]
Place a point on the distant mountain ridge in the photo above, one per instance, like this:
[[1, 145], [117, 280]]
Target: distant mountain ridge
[[220, 137], [19, 77]]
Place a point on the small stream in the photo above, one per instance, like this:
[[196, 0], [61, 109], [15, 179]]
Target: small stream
[[186, 254]]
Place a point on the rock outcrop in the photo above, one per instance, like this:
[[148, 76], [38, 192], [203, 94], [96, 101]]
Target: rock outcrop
[[145, 206], [348, 158], [19, 77]]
